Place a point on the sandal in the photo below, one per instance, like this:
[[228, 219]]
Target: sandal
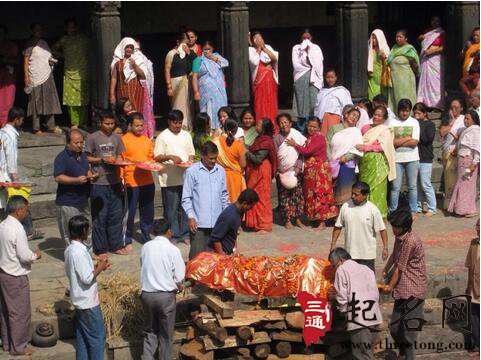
[[35, 235], [56, 130]]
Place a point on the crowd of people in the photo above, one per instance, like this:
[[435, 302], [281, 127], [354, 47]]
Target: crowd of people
[[334, 162]]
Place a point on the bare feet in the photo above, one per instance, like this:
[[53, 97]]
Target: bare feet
[[289, 225], [102, 256], [121, 252], [38, 133], [470, 215], [300, 224], [129, 247], [319, 227], [429, 214], [262, 232]]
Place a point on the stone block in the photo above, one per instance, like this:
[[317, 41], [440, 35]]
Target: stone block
[[43, 206], [43, 185]]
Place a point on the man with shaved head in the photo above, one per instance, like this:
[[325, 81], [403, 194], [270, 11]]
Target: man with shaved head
[[73, 175]]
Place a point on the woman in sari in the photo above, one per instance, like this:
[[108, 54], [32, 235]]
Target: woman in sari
[[289, 169], [225, 113], [449, 131], [377, 69], [331, 100], [74, 47], [127, 71], [178, 66], [261, 168], [307, 62], [232, 158], [319, 204], [192, 42], [263, 61], [8, 59], [208, 82], [470, 50], [378, 164], [343, 139], [43, 101], [404, 63], [201, 133], [248, 122], [431, 80], [148, 85], [463, 200]]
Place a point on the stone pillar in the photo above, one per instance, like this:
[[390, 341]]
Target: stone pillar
[[105, 37], [462, 17], [352, 36], [234, 29]]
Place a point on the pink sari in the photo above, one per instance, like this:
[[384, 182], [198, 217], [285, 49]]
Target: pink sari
[[8, 49], [431, 81]]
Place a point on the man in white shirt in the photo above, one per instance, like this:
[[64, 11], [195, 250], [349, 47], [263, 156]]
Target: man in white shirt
[[161, 275], [361, 220], [15, 262], [173, 147], [406, 133], [357, 297], [82, 275]]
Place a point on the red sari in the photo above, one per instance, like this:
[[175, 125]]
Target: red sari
[[8, 50], [318, 194], [265, 94], [132, 90], [259, 178]]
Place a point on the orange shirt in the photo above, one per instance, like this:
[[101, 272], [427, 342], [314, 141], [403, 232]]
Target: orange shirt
[[137, 148]]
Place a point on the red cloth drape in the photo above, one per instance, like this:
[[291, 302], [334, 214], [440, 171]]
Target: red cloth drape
[[265, 94], [132, 90], [259, 178]]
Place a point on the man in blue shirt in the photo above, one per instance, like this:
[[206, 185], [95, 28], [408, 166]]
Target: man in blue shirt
[[204, 197], [224, 234], [71, 172]]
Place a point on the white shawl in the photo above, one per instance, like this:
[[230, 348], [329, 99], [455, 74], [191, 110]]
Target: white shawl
[[137, 56], [255, 58], [332, 100], [345, 141], [288, 155], [364, 119], [39, 68], [308, 56], [383, 48]]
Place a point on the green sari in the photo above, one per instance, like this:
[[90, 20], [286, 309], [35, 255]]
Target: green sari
[[249, 136], [374, 170], [402, 76], [374, 82]]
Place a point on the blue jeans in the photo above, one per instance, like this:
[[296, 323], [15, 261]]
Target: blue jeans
[[107, 215], [89, 334], [425, 186], [143, 197], [411, 169], [174, 213]]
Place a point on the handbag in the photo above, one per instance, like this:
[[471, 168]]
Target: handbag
[[386, 75]]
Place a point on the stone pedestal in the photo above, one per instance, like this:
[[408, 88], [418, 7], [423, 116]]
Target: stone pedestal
[[352, 36], [462, 18], [106, 36], [234, 29]]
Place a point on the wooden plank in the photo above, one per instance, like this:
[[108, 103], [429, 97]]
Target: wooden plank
[[260, 337], [287, 335], [249, 317], [220, 307], [295, 319], [278, 325], [195, 350], [298, 357]]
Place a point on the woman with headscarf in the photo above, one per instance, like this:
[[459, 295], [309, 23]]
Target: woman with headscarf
[[307, 62], [378, 164], [463, 200], [178, 66], [148, 85], [343, 154], [39, 83], [289, 168], [431, 80], [263, 62], [261, 168], [319, 204], [208, 82], [377, 69], [127, 69], [404, 63]]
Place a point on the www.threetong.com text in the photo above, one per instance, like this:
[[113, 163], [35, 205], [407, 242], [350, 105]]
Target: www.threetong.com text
[[385, 344]]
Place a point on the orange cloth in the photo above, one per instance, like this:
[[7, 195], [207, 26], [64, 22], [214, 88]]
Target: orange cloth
[[228, 158], [328, 120], [137, 149], [259, 178], [468, 58]]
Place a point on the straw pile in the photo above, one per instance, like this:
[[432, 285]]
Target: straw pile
[[121, 306]]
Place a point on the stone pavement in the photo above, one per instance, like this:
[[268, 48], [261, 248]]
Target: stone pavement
[[445, 238]]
